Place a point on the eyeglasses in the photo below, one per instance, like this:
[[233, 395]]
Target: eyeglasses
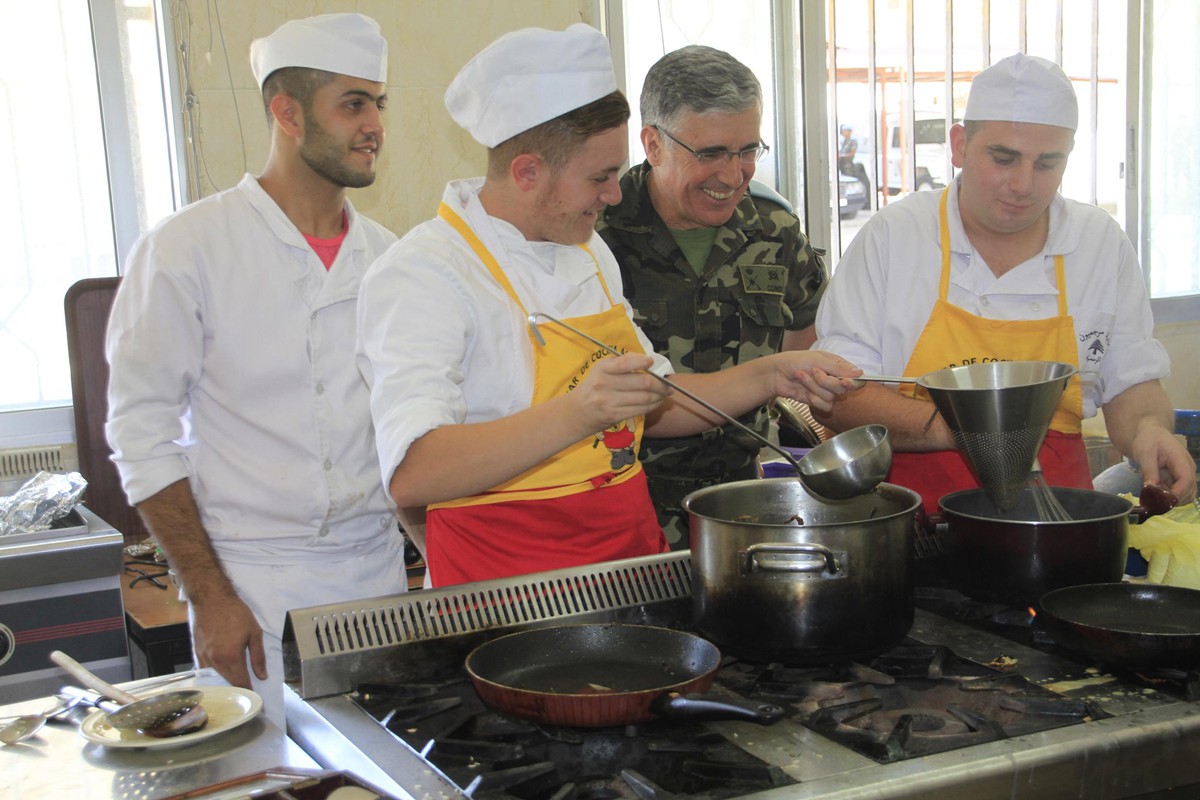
[[749, 155]]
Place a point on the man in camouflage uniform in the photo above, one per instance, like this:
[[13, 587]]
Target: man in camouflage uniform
[[718, 271]]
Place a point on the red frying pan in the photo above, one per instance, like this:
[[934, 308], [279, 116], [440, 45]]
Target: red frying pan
[[602, 675]]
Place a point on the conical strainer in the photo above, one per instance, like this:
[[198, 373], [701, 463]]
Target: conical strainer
[[999, 413]]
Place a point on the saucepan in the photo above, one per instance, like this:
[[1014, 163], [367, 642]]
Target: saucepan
[[1014, 557], [604, 674], [1129, 625]]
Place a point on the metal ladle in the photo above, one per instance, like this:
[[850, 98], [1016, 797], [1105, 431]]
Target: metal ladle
[[136, 713], [802, 472]]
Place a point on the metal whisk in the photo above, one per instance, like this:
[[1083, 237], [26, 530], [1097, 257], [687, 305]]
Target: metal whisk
[[1044, 501]]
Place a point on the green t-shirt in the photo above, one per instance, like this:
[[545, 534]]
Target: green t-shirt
[[695, 244]]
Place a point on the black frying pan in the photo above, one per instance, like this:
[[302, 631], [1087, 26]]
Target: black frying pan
[[1130, 625], [601, 675]]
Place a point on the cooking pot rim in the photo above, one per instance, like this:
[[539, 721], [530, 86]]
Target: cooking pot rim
[[951, 497], [908, 509]]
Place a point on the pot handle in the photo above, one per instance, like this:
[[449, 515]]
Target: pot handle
[[698, 708], [1139, 514], [931, 523], [754, 559], [1152, 501]]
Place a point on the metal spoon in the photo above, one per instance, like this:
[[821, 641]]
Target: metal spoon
[[801, 471], [135, 713], [21, 728]]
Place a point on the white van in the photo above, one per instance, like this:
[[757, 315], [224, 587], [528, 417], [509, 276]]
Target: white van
[[931, 148]]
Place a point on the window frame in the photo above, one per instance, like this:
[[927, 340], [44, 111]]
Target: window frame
[[1166, 310], [56, 425]]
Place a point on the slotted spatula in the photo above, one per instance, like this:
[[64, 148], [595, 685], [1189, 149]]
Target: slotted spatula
[[152, 715]]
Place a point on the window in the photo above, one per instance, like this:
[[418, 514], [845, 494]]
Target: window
[[1135, 67], [86, 164], [1170, 202], [905, 69], [744, 30]]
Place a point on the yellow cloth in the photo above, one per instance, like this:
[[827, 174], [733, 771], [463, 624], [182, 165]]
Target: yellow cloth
[[1170, 543]]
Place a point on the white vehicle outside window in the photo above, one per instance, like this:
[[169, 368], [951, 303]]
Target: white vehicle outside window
[[916, 162], [929, 154]]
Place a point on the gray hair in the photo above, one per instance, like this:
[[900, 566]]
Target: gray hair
[[697, 79]]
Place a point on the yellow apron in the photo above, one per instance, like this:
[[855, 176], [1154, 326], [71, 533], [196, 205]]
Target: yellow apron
[[953, 337], [551, 516]]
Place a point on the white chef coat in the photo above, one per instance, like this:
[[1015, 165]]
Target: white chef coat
[[273, 589], [440, 342], [232, 352], [232, 365], [209, 383], [885, 285]]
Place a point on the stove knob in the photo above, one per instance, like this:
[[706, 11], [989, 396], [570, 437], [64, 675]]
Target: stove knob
[[411, 554], [8, 643]]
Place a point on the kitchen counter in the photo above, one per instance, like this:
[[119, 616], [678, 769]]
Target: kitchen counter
[[157, 623], [59, 762]]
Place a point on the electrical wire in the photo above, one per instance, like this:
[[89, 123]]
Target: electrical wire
[[184, 24]]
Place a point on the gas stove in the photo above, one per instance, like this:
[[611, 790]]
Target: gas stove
[[974, 702]]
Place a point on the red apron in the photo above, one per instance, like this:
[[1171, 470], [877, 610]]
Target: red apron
[[954, 337], [586, 504]]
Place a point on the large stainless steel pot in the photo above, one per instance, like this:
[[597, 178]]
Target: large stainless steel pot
[[1013, 557], [779, 575]]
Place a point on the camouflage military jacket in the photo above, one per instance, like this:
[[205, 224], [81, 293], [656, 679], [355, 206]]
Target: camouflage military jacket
[[762, 279]]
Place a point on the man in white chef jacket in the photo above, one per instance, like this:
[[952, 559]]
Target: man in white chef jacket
[[1000, 266], [522, 444], [239, 422]]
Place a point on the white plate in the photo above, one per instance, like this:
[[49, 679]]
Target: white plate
[[227, 707]]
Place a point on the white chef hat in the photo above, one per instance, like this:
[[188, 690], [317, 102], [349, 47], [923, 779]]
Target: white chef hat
[[348, 44], [1023, 88], [528, 77]]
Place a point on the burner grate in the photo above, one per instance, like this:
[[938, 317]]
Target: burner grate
[[912, 701], [499, 757]]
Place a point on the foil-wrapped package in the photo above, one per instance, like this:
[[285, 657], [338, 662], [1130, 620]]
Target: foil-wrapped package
[[44, 498]]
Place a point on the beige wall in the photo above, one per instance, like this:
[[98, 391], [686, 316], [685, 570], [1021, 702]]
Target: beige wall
[[1182, 386], [428, 41], [1182, 340]]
